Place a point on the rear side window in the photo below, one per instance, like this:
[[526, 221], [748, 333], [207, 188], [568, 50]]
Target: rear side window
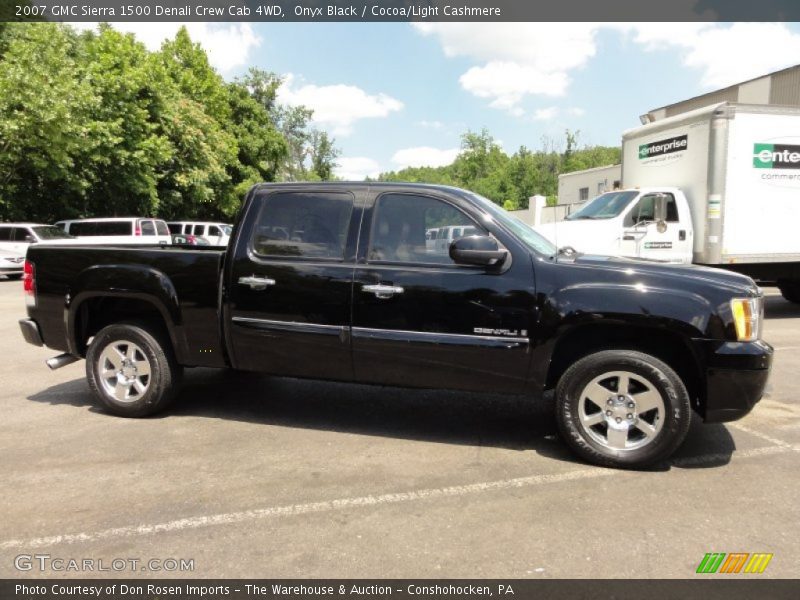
[[148, 228], [90, 228], [161, 228], [301, 224], [199, 230], [5, 234], [174, 227], [214, 230]]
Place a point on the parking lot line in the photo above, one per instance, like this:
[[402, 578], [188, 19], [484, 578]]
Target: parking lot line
[[364, 501], [765, 437]]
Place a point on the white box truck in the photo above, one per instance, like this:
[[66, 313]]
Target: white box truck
[[717, 186]]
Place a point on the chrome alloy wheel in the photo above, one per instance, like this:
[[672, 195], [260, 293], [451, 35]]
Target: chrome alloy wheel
[[124, 371], [621, 410]]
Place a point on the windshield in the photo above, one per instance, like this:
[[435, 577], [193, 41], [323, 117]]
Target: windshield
[[525, 234], [605, 206], [51, 232]]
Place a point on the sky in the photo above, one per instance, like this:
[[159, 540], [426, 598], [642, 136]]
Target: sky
[[401, 94]]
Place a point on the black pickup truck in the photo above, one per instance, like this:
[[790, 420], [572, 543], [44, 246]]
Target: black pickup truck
[[415, 286]]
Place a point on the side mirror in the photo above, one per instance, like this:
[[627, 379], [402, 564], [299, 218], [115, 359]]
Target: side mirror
[[479, 250], [660, 212]]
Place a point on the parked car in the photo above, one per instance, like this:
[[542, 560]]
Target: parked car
[[217, 234], [119, 230], [11, 264], [184, 239], [318, 285], [16, 237]]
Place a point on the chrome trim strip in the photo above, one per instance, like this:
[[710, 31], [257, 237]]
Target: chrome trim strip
[[290, 326], [428, 336]]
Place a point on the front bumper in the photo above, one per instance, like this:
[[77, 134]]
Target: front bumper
[[736, 374], [30, 331]]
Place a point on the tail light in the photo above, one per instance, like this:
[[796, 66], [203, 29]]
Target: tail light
[[137, 230], [29, 283]]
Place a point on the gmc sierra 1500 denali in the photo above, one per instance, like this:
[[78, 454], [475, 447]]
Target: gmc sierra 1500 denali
[[351, 282]]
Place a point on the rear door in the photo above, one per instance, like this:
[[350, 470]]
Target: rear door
[[290, 280], [421, 320]]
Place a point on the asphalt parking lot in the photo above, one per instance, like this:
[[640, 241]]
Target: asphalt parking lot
[[253, 476]]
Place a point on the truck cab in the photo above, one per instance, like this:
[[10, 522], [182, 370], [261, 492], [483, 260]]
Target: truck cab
[[650, 223]]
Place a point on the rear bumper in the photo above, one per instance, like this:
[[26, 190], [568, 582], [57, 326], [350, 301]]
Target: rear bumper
[[735, 377], [30, 331]]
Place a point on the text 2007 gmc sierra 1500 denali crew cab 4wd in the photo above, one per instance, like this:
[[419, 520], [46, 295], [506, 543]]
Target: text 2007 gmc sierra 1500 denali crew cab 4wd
[[345, 282]]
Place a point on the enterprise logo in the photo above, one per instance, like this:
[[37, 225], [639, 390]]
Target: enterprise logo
[[661, 147], [776, 156]]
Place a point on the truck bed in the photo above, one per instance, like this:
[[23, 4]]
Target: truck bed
[[182, 281]]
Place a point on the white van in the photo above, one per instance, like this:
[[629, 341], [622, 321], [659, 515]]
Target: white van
[[217, 234], [119, 230], [16, 237]]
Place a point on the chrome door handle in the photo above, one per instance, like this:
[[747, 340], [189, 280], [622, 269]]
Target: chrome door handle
[[382, 291], [256, 283]]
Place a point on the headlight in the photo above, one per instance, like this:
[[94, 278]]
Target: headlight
[[748, 314]]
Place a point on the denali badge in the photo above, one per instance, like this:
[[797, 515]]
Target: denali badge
[[506, 332]]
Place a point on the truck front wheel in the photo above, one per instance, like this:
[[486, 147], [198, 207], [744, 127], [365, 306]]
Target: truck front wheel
[[131, 369], [622, 408], [790, 290]]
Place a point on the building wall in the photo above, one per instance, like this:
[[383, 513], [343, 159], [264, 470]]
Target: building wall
[[593, 181], [779, 88]]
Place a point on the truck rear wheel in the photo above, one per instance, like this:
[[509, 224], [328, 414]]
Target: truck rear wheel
[[621, 408], [131, 369], [790, 290]]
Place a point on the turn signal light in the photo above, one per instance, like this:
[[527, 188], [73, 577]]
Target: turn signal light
[[747, 316]]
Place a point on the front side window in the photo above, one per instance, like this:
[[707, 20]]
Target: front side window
[[161, 228], [5, 234], [645, 210], [214, 230], [400, 225], [22, 234], [50, 232], [303, 224]]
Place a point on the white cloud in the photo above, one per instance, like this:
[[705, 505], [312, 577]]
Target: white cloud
[[576, 111], [337, 106], [356, 168], [431, 124], [513, 61], [724, 54], [516, 59], [424, 156], [545, 114], [228, 45]]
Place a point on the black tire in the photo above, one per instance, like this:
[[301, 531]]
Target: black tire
[[14, 276], [666, 425], [790, 290], [158, 388]]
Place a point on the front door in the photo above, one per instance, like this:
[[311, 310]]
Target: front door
[[643, 237], [421, 320], [290, 283]]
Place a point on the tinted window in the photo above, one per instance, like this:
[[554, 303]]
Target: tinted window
[[312, 225], [214, 230], [5, 234], [22, 234], [161, 228], [174, 227], [400, 223], [50, 232], [89, 228], [199, 230], [148, 228]]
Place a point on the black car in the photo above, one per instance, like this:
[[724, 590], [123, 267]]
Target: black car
[[340, 281]]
